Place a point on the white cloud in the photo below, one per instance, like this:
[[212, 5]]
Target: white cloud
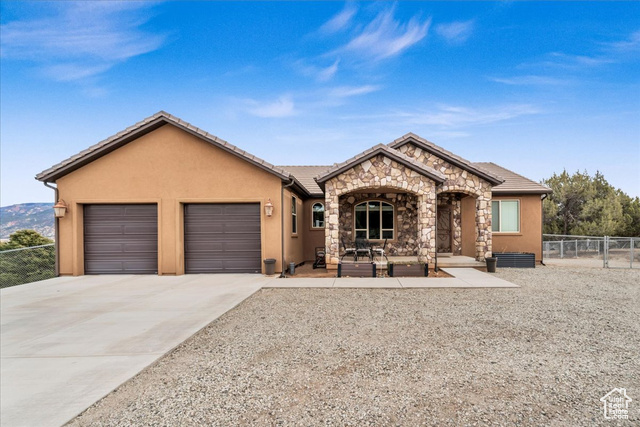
[[448, 116], [79, 40], [452, 118], [455, 32], [385, 37], [340, 21], [282, 107], [321, 74], [349, 91], [631, 43], [529, 80], [326, 74]]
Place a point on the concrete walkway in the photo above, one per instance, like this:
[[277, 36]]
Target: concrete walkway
[[462, 278], [67, 342]]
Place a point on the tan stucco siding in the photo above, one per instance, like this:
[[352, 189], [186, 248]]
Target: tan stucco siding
[[293, 242], [468, 225], [314, 237], [168, 167], [529, 239]]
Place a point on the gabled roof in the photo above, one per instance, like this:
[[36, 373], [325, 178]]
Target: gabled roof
[[403, 159], [305, 175], [513, 183], [142, 128], [438, 151]]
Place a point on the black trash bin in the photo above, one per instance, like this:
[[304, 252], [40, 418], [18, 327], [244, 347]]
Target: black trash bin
[[491, 264], [270, 266]]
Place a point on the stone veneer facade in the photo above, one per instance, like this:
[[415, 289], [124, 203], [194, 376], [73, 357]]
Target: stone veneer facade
[[461, 181], [383, 177], [383, 174]]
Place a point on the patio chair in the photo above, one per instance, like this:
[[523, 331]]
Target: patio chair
[[363, 248], [349, 251], [380, 251]]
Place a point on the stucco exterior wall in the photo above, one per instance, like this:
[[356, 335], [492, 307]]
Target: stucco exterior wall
[[313, 237], [468, 225], [529, 239], [168, 167], [293, 242]]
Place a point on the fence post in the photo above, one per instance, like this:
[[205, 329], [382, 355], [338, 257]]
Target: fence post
[[561, 249], [576, 248], [605, 250], [631, 246]]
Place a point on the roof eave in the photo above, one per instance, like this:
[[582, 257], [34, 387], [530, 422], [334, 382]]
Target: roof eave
[[321, 179], [160, 119], [493, 180]]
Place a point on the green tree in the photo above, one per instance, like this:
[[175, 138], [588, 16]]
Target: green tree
[[565, 205], [25, 239], [585, 205], [26, 265]]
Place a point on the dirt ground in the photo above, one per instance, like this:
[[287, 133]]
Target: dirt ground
[[542, 354]]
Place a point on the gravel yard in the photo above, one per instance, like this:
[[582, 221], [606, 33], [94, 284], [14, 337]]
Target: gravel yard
[[544, 353]]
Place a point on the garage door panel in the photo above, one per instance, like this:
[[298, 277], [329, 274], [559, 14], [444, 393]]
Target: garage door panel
[[121, 239], [222, 238]]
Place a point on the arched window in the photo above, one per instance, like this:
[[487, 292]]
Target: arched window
[[317, 215], [374, 220]]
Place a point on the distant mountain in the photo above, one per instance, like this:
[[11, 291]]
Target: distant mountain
[[31, 216]]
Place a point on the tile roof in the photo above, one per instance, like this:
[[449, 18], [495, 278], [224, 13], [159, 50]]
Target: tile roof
[[306, 178], [386, 151], [513, 182], [305, 175], [446, 155], [145, 126]]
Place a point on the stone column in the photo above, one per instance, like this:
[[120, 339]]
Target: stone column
[[483, 226], [427, 226], [332, 226]]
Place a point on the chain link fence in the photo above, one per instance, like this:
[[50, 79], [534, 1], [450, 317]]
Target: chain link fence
[[26, 265], [591, 251]]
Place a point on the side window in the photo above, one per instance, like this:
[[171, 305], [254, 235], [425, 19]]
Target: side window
[[505, 216], [317, 215], [294, 215]]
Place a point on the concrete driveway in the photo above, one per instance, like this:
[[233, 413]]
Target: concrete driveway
[[69, 341]]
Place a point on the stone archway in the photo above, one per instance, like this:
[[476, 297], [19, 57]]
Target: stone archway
[[376, 175]]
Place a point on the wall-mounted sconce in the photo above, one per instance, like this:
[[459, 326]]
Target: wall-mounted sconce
[[268, 208], [60, 209]]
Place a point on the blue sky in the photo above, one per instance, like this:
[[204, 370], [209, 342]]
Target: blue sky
[[534, 87]]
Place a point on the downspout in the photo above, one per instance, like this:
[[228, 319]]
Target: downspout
[[282, 187], [56, 227], [544, 196]]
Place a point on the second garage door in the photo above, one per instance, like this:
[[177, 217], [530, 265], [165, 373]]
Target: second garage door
[[222, 238]]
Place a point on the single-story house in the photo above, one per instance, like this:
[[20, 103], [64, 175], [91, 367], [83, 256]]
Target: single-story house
[[165, 197]]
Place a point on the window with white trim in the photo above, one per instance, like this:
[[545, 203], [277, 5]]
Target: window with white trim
[[505, 216], [374, 220], [317, 215], [294, 215]]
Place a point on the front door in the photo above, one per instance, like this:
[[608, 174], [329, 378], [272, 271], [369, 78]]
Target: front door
[[443, 239]]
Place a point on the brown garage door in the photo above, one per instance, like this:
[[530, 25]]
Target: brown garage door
[[120, 239], [222, 238]]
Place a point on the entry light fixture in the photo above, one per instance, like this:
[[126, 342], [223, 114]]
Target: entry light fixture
[[60, 209], [268, 208]]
